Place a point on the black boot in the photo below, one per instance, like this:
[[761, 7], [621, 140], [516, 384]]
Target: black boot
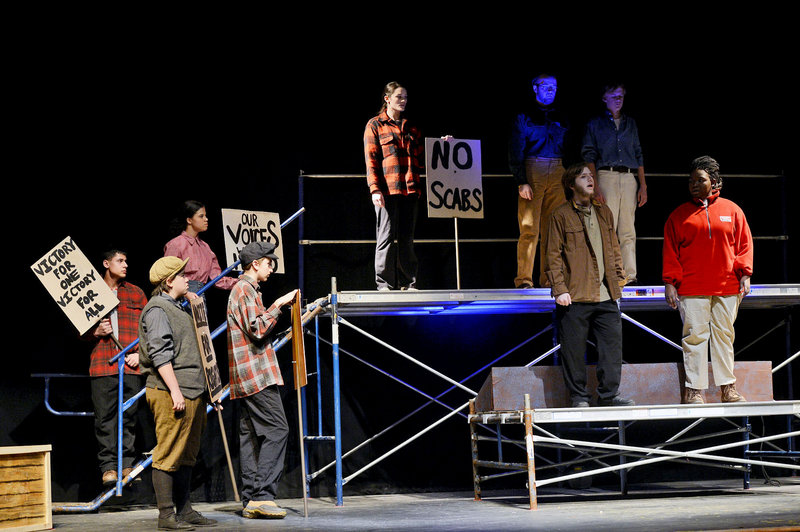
[[182, 490], [163, 486]]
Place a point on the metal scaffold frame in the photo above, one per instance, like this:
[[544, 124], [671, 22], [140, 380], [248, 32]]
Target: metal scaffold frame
[[594, 451], [464, 302]]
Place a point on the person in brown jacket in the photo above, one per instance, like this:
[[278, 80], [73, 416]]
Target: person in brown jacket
[[585, 274]]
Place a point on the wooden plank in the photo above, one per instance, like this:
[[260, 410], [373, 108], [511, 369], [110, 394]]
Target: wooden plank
[[21, 474], [18, 488], [647, 384]]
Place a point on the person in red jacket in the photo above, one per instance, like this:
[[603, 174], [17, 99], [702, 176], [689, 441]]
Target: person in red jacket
[[707, 264]]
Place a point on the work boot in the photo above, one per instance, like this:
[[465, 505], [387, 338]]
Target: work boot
[[170, 522], [693, 397], [617, 400], [730, 395], [196, 518], [109, 477], [263, 509]]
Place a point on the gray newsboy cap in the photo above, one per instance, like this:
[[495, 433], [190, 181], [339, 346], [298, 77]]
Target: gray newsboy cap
[[257, 250]]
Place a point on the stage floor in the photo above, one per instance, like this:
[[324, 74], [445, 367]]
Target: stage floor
[[704, 505]]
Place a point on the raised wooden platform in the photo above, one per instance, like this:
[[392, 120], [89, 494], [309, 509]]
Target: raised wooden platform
[[647, 384]]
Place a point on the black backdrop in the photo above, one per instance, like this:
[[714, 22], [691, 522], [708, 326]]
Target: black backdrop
[[109, 133]]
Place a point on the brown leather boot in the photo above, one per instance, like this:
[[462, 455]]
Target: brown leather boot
[[693, 397], [109, 477], [730, 395]]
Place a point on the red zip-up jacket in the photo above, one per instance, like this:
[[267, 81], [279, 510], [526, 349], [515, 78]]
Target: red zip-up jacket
[[707, 248]]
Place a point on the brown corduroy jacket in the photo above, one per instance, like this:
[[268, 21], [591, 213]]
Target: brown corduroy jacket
[[572, 265]]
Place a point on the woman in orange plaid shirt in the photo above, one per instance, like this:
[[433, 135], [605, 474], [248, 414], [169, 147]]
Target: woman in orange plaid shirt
[[394, 150]]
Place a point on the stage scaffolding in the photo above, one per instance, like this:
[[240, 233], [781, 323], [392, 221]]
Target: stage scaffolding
[[341, 306], [344, 305]]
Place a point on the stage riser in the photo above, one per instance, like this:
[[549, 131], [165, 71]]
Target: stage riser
[[647, 384]]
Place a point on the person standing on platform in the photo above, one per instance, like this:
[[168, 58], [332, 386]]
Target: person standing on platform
[[123, 324], [254, 380], [176, 393], [708, 261], [204, 265], [611, 147], [535, 151], [394, 154], [586, 277]]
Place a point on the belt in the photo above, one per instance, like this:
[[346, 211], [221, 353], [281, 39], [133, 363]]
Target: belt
[[620, 169]]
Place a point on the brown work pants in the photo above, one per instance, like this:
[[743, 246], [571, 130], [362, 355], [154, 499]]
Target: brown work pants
[[544, 177]]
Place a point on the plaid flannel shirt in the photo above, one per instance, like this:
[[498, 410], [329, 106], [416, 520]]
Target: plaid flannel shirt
[[394, 154], [131, 302], [251, 359]]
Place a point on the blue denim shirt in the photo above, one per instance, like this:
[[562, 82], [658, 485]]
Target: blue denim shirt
[[606, 145], [537, 133]]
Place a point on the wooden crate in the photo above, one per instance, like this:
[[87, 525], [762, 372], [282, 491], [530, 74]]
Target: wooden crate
[[25, 496]]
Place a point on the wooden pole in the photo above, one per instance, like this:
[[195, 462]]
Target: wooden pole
[[300, 380], [228, 455]]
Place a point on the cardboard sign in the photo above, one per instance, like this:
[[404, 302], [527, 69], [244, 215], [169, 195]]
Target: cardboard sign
[[75, 285], [243, 227], [454, 182], [213, 379]]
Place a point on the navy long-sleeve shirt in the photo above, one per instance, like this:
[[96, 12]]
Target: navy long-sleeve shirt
[[606, 145], [538, 133]]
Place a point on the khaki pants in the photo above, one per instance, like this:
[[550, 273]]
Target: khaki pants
[[544, 177], [177, 433], [708, 329], [621, 194]]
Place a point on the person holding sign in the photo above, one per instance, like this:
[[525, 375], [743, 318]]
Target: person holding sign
[[176, 393], [535, 151], [393, 150], [204, 265], [120, 325], [586, 279], [255, 376]]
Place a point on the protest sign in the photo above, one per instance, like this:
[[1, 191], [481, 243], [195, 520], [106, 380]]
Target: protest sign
[[213, 379], [453, 169], [75, 285], [242, 227]]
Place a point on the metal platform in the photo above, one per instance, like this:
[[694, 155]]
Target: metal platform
[[341, 305], [642, 413], [532, 300], [593, 452]]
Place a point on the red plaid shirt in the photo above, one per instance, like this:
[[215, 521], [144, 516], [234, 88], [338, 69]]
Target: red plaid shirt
[[131, 302], [251, 359], [394, 154]]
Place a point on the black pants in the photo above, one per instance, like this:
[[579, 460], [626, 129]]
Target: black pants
[[104, 397], [263, 433], [396, 263], [575, 323]]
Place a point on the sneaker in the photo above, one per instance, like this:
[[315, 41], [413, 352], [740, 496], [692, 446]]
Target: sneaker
[[263, 509], [197, 519], [171, 523], [730, 395], [383, 289], [693, 397], [616, 401], [411, 288], [580, 403], [109, 477]]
